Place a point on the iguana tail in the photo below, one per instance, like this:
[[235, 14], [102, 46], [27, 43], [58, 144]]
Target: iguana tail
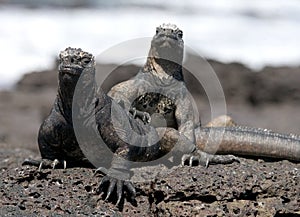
[[247, 141]]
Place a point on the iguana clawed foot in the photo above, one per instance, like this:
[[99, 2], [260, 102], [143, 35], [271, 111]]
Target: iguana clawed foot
[[110, 183], [200, 157], [144, 116], [45, 163]]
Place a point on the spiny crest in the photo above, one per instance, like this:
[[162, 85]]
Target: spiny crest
[[75, 52], [169, 26]]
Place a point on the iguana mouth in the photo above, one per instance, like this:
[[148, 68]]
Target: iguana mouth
[[71, 69], [166, 41]]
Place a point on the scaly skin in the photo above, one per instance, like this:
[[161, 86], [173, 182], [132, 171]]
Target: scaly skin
[[247, 141]]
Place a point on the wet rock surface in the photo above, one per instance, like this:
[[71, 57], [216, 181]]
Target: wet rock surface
[[248, 188]]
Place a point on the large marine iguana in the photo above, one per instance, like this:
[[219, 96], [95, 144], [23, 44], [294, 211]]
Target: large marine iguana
[[159, 88]]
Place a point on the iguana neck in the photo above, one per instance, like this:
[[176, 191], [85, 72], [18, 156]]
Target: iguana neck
[[163, 68], [66, 90]]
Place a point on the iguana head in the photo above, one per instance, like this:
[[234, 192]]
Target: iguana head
[[167, 43], [72, 61], [166, 53], [74, 65]]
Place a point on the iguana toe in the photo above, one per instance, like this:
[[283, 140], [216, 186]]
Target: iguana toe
[[224, 159], [200, 157], [111, 187], [31, 162], [131, 190], [45, 163]]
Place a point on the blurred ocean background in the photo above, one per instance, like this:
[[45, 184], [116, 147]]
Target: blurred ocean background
[[256, 33]]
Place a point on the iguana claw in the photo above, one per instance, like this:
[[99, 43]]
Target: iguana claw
[[144, 116], [199, 157]]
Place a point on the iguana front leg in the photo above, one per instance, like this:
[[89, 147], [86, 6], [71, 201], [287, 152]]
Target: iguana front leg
[[184, 115], [117, 177], [124, 93]]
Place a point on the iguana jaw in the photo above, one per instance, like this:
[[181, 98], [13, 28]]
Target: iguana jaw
[[71, 69]]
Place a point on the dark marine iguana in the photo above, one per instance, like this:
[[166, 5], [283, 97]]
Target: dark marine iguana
[[59, 143], [159, 89]]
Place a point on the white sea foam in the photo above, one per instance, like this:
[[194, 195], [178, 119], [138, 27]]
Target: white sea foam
[[256, 33]]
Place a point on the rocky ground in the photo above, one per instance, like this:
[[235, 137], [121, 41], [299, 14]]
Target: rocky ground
[[268, 99], [248, 188]]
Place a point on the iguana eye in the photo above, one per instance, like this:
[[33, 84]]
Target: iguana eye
[[86, 60], [180, 34], [60, 58], [157, 30]]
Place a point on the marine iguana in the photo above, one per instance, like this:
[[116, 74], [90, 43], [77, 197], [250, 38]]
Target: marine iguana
[[159, 89], [57, 140]]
